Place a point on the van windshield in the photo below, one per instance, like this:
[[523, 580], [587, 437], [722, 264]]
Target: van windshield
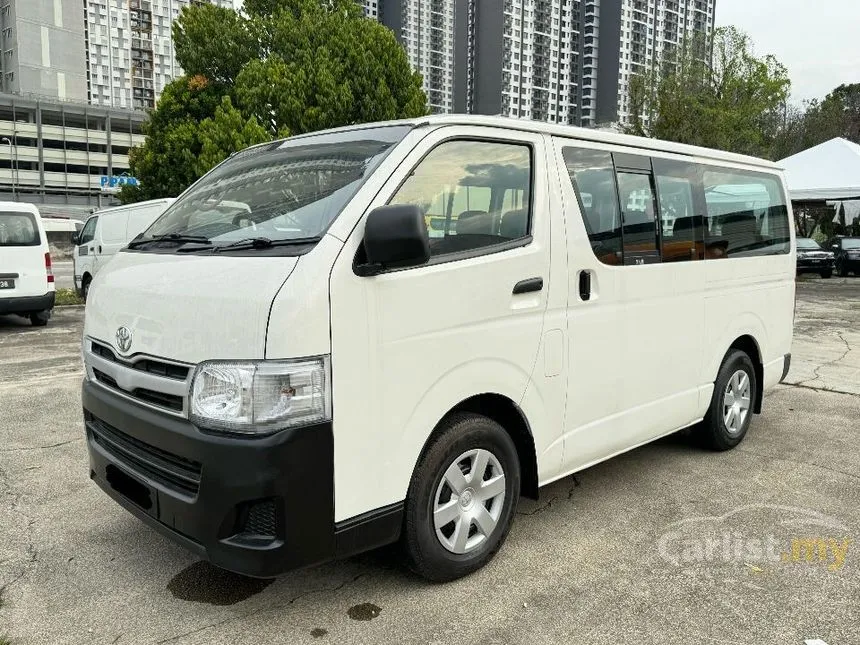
[[18, 229], [287, 190]]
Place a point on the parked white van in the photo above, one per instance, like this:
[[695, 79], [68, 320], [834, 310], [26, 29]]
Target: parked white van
[[26, 276], [106, 232], [337, 378]]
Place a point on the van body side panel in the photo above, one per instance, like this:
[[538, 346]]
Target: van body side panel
[[546, 396], [409, 345], [635, 344]]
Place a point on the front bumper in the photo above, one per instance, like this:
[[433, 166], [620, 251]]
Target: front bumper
[[256, 506], [261, 506], [27, 304], [815, 265]]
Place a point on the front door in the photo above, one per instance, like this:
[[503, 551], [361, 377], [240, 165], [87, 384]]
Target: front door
[[409, 345], [635, 314], [85, 252]]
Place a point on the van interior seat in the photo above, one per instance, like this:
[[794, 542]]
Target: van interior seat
[[474, 223], [514, 224], [741, 229], [683, 224]]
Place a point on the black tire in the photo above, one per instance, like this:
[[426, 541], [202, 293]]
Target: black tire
[[85, 287], [713, 431], [40, 318], [826, 274], [424, 551], [842, 270]]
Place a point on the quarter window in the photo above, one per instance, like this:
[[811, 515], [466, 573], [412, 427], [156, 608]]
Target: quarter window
[[593, 176], [473, 194], [746, 215]]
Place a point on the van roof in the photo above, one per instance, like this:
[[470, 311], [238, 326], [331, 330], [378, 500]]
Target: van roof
[[114, 209], [20, 207], [569, 131]]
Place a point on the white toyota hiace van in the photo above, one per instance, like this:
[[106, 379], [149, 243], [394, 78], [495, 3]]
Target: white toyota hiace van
[[392, 331], [106, 232], [26, 276]]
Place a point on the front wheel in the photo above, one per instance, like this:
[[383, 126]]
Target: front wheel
[[461, 498], [735, 391]]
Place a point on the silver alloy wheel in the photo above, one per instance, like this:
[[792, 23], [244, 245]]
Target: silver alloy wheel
[[736, 401], [469, 501]]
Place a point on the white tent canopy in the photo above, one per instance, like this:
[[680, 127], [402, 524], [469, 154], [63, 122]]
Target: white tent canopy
[[828, 172]]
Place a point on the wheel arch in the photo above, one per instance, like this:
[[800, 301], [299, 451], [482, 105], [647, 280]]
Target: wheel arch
[[510, 416], [748, 344]]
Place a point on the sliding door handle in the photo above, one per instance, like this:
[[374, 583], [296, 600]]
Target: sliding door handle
[[528, 286]]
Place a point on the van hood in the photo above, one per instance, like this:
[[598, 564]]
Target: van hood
[[188, 308]]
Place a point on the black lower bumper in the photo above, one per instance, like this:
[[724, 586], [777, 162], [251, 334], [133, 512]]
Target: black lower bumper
[[27, 304], [256, 506], [815, 266]]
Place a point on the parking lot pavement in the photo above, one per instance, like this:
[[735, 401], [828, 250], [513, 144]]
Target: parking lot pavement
[[826, 351], [666, 544]]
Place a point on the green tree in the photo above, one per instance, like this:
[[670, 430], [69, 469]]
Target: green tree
[[837, 115], [225, 133], [282, 67], [717, 94]]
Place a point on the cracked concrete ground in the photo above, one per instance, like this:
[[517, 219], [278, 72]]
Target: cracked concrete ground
[[665, 544]]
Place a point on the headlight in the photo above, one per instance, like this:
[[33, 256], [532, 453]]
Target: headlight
[[260, 397]]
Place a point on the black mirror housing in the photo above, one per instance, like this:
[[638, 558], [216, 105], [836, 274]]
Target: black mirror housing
[[395, 237]]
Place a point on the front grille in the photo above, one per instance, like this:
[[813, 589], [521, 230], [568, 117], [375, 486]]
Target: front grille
[[169, 401], [172, 471], [262, 520], [149, 365]]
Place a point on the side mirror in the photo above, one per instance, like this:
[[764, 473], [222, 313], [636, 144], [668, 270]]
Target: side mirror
[[76, 239], [395, 237], [835, 247]]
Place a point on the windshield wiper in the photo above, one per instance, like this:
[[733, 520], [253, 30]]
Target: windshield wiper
[[170, 237], [263, 243]]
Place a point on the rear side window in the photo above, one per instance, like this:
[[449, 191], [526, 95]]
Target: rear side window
[[474, 194], [746, 215], [18, 229], [593, 176]]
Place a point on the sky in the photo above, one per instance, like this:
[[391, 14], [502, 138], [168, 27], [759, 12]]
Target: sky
[[817, 40]]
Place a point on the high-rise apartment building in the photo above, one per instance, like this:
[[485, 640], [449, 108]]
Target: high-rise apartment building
[[639, 35], [42, 44], [426, 30], [562, 61], [130, 55]]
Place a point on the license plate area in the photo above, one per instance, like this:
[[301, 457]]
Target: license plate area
[[7, 283], [132, 489]]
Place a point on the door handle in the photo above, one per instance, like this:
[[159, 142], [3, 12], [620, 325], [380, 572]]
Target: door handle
[[585, 285], [528, 286], [100, 250]]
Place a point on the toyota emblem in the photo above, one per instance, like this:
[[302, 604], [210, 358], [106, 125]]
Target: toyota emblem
[[123, 339]]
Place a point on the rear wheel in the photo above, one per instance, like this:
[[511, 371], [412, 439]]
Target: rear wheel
[[461, 498], [40, 318], [735, 391]]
